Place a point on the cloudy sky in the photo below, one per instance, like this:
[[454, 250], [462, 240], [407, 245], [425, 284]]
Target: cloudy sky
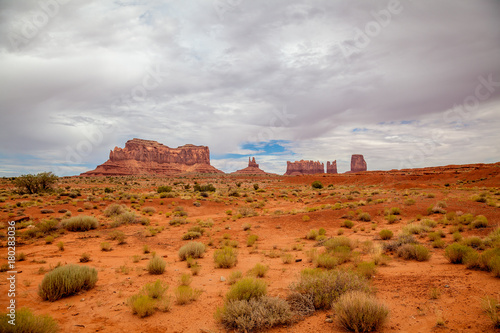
[[406, 84]]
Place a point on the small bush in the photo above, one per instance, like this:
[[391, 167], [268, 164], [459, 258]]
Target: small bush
[[287, 258], [105, 246], [65, 281], [455, 253], [155, 289], [327, 286], [254, 314], [312, 234], [149, 210], [226, 257], [301, 305], [80, 223], [347, 224], [247, 289], [85, 257], [234, 277], [164, 189], [118, 236], [252, 239], [259, 270], [317, 184], [156, 266], [114, 210], [335, 242], [366, 269], [327, 261], [191, 235], [60, 246], [385, 234], [365, 217], [186, 294], [185, 279], [491, 307], [28, 322], [142, 305], [480, 222], [359, 312], [414, 251], [192, 249]]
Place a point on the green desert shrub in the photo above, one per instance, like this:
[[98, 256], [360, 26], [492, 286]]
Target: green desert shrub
[[366, 269], [480, 221], [27, 322], [125, 218], [327, 261], [259, 270], [327, 286], [234, 277], [156, 265], [226, 257], [491, 307], [186, 294], [191, 235], [335, 242], [348, 224], [142, 305], [32, 184], [413, 252], [356, 311], [246, 289], [254, 314], [455, 253], [252, 239], [365, 217], [47, 226], [192, 250], [80, 223], [385, 234], [312, 234], [155, 289], [114, 210], [317, 184], [65, 281], [164, 189]]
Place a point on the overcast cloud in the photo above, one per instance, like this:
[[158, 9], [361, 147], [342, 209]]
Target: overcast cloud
[[406, 84]]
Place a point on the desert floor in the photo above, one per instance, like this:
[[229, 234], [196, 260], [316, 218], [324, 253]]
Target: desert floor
[[281, 212]]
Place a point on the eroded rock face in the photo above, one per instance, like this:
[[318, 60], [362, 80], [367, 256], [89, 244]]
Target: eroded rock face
[[331, 167], [252, 169], [358, 163], [304, 168], [150, 157]]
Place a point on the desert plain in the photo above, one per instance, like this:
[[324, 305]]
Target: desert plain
[[291, 220]]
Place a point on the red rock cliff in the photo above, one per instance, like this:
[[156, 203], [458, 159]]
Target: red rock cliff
[[358, 163], [304, 168], [331, 168], [150, 157]]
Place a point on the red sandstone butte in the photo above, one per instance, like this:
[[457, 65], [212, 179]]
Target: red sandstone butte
[[304, 168], [251, 169], [150, 157], [331, 168], [358, 163]]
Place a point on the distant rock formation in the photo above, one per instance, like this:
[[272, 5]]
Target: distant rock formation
[[358, 163], [331, 168], [252, 169], [150, 157], [304, 168]]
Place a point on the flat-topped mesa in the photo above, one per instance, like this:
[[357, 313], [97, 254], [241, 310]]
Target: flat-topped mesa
[[251, 169], [358, 163], [304, 168], [331, 168], [151, 157]]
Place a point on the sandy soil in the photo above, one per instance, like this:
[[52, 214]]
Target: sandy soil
[[403, 285]]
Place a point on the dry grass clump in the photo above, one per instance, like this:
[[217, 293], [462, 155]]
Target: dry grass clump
[[259, 270], [186, 294], [325, 287], [302, 305], [226, 257], [156, 266], [455, 253], [341, 241], [251, 240], [254, 314], [413, 251], [192, 250], [356, 311], [150, 299], [114, 210], [385, 234], [326, 260], [246, 289], [492, 309], [65, 281], [27, 321], [80, 223]]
